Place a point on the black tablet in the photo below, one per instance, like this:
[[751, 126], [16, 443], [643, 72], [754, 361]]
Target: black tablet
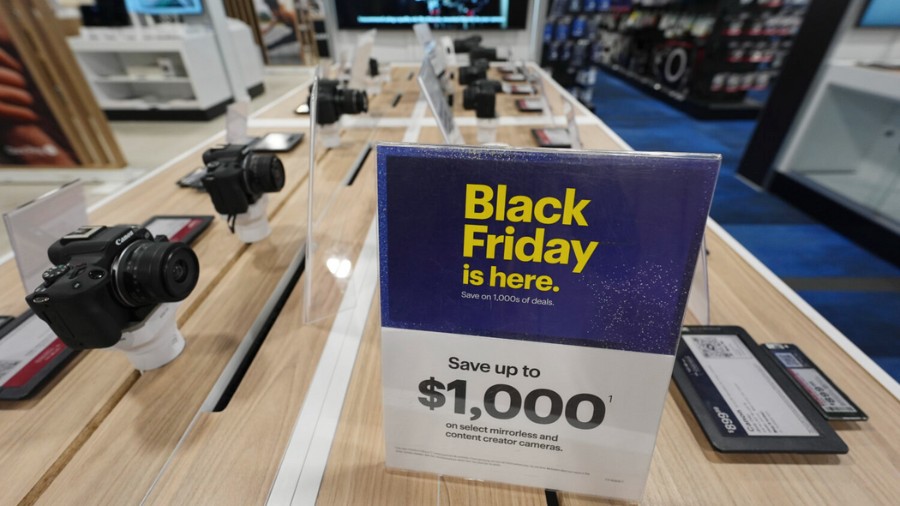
[[193, 179], [743, 402]]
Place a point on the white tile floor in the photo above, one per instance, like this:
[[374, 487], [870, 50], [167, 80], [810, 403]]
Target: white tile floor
[[146, 145]]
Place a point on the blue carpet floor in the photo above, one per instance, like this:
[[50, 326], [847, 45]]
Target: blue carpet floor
[[856, 291]]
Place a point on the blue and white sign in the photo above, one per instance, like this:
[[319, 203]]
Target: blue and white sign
[[531, 307]]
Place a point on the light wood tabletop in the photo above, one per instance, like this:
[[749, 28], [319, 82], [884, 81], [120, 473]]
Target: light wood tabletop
[[100, 433]]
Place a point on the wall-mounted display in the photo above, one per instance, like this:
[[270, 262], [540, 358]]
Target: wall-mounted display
[[880, 14], [440, 14], [165, 7]]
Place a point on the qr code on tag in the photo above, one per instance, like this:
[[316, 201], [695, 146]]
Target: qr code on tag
[[6, 366], [788, 359], [713, 347]]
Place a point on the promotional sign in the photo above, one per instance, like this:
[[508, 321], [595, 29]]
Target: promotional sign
[[29, 132], [430, 85], [531, 304]]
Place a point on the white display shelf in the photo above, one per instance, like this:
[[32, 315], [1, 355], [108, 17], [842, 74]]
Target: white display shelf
[[124, 45], [873, 81], [114, 63], [133, 79], [144, 105], [845, 144]]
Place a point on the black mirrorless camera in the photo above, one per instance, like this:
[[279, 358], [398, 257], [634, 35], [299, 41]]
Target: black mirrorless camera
[[236, 177], [481, 97], [335, 101], [475, 71], [486, 53], [466, 44], [105, 279]]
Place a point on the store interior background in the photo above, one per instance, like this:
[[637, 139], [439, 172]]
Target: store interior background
[[855, 289]]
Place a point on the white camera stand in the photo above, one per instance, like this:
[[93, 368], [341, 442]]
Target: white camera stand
[[154, 342], [487, 130], [253, 225], [373, 85], [330, 134]]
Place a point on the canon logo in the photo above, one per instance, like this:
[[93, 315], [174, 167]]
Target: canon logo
[[124, 238]]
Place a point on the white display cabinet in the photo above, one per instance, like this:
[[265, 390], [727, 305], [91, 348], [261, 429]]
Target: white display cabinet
[[847, 142], [171, 75]]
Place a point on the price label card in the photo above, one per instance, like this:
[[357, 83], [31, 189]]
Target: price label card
[[832, 403], [742, 402], [184, 229], [29, 354], [519, 89], [530, 105], [552, 137], [531, 306]]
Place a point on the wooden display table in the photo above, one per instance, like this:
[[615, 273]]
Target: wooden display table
[[103, 434]]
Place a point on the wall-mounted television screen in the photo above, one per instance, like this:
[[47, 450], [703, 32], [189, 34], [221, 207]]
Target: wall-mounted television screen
[[165, 7], [439, 14], [880, 14]]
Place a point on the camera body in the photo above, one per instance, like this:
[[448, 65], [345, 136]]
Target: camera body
[[481, 97], [105, 279], [334, 102], [486, 53], [236, 177], [475, 71], [466, 44]]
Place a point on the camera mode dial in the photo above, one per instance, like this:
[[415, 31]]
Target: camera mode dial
[[52, 274]]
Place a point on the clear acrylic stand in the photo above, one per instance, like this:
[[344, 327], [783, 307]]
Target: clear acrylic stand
[[572, 125], [236, 118], [331, 242], [34, 226], [430, 86], [537, 82], [698, 297]]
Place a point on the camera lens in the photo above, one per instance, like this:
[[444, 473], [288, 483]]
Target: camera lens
[[149, 272], [264, 174], [354, 101]]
